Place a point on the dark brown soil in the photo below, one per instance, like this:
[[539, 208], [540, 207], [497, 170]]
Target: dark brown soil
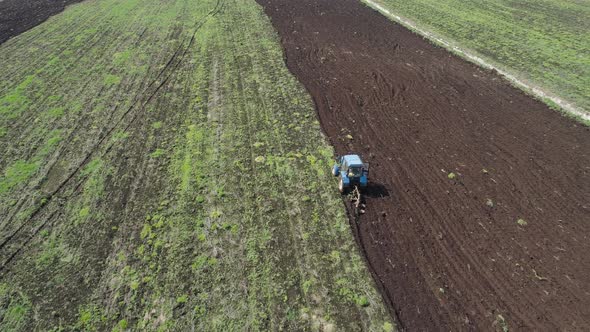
[[18, 16], [449, 253]]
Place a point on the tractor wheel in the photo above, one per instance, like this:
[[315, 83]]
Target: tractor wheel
[[335, 171], [341, 186]]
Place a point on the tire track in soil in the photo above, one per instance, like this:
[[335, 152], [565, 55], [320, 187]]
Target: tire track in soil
[[448, 253]]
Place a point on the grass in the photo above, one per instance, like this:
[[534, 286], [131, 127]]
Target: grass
[[155, 154], [546, 42], [15, 174], [14, 308]]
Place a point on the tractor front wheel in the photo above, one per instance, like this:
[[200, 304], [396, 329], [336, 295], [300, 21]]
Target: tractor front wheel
[[341, 186], [335, 170]]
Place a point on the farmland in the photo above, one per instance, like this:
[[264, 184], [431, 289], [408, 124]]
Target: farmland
[[544, 42], [165, 166], [162, 170], [18, 16], [477, 217]]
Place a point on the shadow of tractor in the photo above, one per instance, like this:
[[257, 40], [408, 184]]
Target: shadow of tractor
[[375, 190]]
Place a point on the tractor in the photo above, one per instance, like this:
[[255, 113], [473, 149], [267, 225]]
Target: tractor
[[352, 171]]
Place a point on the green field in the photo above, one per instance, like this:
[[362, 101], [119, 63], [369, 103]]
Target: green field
[[162, 170], [546, 42]]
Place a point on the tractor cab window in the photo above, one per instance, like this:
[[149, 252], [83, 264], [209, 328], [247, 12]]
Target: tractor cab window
[[354, 171]]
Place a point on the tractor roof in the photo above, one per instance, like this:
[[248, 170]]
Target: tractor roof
[[353, 160]]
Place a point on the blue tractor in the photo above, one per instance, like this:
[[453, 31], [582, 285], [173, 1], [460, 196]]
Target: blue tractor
[[352, 171]]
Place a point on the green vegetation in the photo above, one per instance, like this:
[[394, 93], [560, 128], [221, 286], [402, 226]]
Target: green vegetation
[[14, 308], [501, 323], [546, 41], [15, 174], [388, 327], [163, 170]]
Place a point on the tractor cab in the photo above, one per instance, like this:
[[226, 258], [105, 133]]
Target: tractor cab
[[352, 172]]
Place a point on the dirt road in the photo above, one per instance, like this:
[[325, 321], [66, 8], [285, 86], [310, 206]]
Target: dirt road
[[479, 214]]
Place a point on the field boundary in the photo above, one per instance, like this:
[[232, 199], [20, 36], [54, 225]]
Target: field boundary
[[549, 98], [354, 222]]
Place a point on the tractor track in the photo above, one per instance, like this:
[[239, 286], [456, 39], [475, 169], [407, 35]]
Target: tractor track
[[447, 250]]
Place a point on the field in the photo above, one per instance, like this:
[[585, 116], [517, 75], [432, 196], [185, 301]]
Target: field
[[165, 166], [478, 217], [162, 170], [544, 42]]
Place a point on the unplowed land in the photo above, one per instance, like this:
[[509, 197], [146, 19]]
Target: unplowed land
[[478, 217]]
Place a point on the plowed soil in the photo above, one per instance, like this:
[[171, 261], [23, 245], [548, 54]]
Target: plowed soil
[[503, 241], [18, 16]]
